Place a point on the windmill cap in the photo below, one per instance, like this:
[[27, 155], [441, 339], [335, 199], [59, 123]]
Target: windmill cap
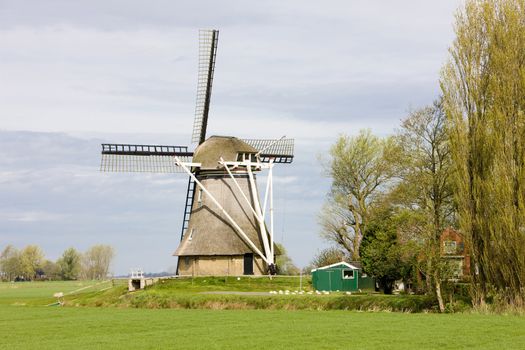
[[209, 152]]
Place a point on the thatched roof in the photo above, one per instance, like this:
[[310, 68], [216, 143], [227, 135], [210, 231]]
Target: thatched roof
[[212, 232], [215, 147]]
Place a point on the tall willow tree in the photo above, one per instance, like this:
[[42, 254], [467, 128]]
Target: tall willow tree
[[484, 93]]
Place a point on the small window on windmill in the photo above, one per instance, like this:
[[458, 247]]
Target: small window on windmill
[[187, 260], [199, 198], [191, 234]]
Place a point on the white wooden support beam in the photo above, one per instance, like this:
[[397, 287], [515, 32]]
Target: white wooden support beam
[[230, 219], [257, 208], [268, 192], [193, 165], [239, 188], [256, 166], [270, 167], [270, 180]]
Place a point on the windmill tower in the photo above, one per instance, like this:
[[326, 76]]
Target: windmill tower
[[224, 229]]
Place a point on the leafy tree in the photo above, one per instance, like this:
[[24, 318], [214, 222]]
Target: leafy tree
[[484, 88], [329, 256], [381, 253], [425, 185], [31, 260], [96, 261], [70, 264], [51, 270], [359, 167]]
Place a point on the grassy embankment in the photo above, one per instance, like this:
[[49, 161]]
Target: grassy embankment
[[192, 294]]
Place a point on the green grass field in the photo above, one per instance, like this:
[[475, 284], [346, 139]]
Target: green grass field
[[41, 293], [24, 324]]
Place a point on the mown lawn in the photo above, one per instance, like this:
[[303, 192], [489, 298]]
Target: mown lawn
[[26, 327], [26, 324]]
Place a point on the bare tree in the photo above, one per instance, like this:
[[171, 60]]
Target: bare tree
[[329, 256], [10, 263], [96, 261]]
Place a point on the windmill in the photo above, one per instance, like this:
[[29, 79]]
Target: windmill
[[224, 230]]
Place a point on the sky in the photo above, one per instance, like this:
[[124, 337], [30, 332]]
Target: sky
[[75, 74]]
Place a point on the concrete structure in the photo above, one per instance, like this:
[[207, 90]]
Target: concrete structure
[[138, 281], [341, 276]]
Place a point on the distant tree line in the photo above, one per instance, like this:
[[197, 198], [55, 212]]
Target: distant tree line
[[30, 264], [458, 162]]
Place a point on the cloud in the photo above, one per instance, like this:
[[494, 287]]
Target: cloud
[[52, 194], [64, 69], [31, 216], [75, 74]]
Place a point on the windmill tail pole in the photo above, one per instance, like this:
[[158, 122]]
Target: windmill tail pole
[[270, 145], [260, 219]]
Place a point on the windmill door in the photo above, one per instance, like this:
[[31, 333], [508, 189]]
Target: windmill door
[[248, 264]]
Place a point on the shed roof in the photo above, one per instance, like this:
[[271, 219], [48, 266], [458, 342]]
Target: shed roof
[[343, 263]]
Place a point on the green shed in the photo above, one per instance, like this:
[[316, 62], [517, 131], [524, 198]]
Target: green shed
[[341, 276]]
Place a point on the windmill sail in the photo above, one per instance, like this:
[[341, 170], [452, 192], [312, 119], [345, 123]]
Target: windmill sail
[[207, 53], [142, 158], [224, 231], [280, 150]]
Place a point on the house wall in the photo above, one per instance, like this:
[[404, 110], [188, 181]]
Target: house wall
[[461, 253], [218, 266]]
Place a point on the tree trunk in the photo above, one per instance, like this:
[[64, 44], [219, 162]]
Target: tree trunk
[[438, 293], [428, 276]]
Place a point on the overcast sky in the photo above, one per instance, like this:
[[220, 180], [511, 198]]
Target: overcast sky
[[77, 73]]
